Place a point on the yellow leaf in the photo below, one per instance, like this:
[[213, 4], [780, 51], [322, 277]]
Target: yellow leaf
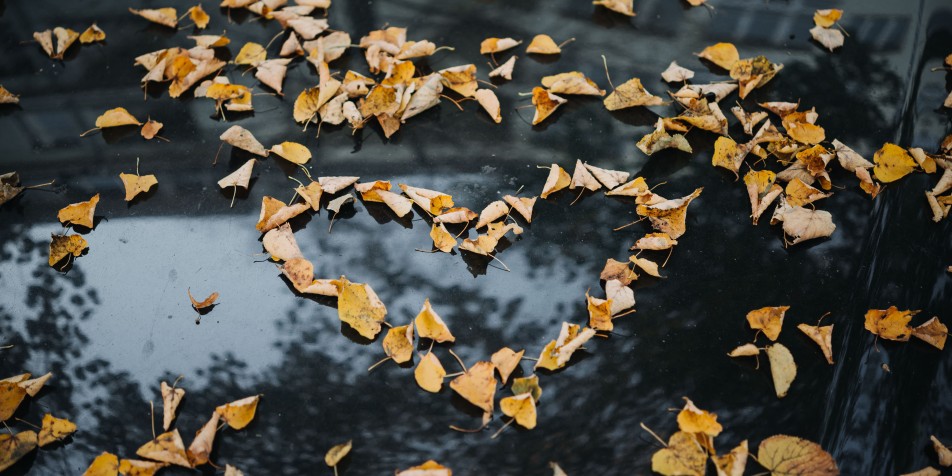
[[521, 408], [163, 16], [135, 467], [543, 45], [557, 180], [495, 45], [14, 447], [136, 184], [210, 300], [746, 350], [443, 240], [599, 313], [429, 468], [238, 414], [490, 103], [944, 453], [733, 463], [11, 395], [430, 326], [398, 343], [692, 419], [528, 384], [823, 336], [545, 104], [721, 54], [669, 216], [625, 7], [92, 35], [558, 352], [892, 163], [292, 152], [79, 213], [115, 118], [767, 319], [572, 83], [167, 448], [429, 373], [784, 455], [106, 464], [799, 193], [891, 323], [477, 385], [55, 429], [337, 453], [275, 213], [61, 246], [506, 360], [782, 368], [683, 456], [171, 396], [630, 94], [359, 306], [198, 15], [201, 447], [33, 386], [826, 18], [251, 54], [932, 332], [461, 79]]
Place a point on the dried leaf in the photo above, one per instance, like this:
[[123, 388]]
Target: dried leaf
[[430, 326], [115, 118], [826, 18], [167, 448], [272, 72], [522, 205], [583, 178], [34, 385], [767, 319], [659, 140], [477, 385], [572, 83], [830, 38], [6, 97], [761, 190], [136, 184], [932, 332], [106, 464], [733, 463], [171, 396], [558, 352], [543, 45], [943, 452], [201, 447], [429, 373], [251, 54], [721, 54], [14, 447], [398, 343], [243, 139], [784, 455], [80, 213], [783, 370], [506, 361], [299, 271], [337, 453], [675, 73], [490, 103], [359, 307], [804, 224], [198, 15], [135, 467], [163, 16], [239, 413], [240, 177], [492, 212], [630, 94], [669, 216], [429, 468], [823, 336], [292, 152], [625, 7], [92, 35], [799, 193], [683, 456], [654, 241], [461, 79], [55, 429], [545, 104], [504, 70], [557, 180], [209, 301], [746, 350], [11, 395], [521, 408], [335, 204], [495, 45], [62, 246], [892, 163], [692, 419]]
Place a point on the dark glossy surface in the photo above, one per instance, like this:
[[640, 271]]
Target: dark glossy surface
[[119, 321]]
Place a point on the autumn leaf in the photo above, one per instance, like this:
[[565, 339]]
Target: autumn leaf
[[240, 177], [830, 38], [571, 83], [167, 448], [745, 350], [116, 117], [892, 163], [545, 104], [6, 97], [630, 94], [683, 456], [495, 45], [429, 373], [655, 242], [477, 385], [11, 395], [199, 305], [521, 408], [55, 429], [557, 180], [492, 212], [625, 7], [429, 468], [92, 35], [337, 453], [932, 332], [676, 73], [62, 246], [243, 139], [163, 16], [782, 368], [753, 73], [767, 319], [724, 55], [429, 325], [733, 463], [443, 240], [461, 79], [80, 213], [13, 447], [506, 361], [803, 224], [692, 419], [599, 313], [669, 216], [490, 103], [359, 307], [528, 384], [106, 464], [136, 467], [943, 452], [659, 140], [543, 45], [398, 343], [34, 385], [201, 447], [239, 413], [275, 213], [136, 184], [784, 455], [826, 18], [504, 70], [171, 396], [823, 336], [762, 191], [558, 352], [891, 324], [198, 16]]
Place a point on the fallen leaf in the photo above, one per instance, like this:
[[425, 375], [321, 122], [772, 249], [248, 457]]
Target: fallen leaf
[[529, 385], [429, 468], [724, 55], [251, 54], [943, 452], [106, 464], [583, 178], [150, 129], [136, 184], [558, 352], [504, 70], [62, 246], [830, 38], [522, 205], [34, 385], [619, 295], [198, 16], [783, 370], [545, 104], [692, 419], [492, 212], [767, 319], [115, 118], [748, 119], [823, 336], [432, 201], [209, 301], [826, 18], [625, 7], [272, 72], [92, 35], [337, 453], [490, 103], [932, 332], [762, 191], [163, 16], [659, 140], [335, 204], [45, 40], [167, 448], [571, 83], [753, 73], [425, 97], [80, 213], [6, 97], [506, 360], [733, 463], [461, 79], [11, 395], [557, 470], [55, 429], [456, 215], [333, 185], [239, 413], [683, 456], [804, 224], [927, 471], [65, 38], [655, 242], [243, 139], [557, 180], [646, 265], [443, 240], [784, 455], [398, 343], [799, 194], [669, 216], [429, 373], [477, 385], [495, 45], [892, 163], [275, 213], [543, 45], [746, 350], [14, 447], [359, 307], [232, 471], [135, 467], [240, 177], [198, 452], [171, 396], [617, 270], [630, 94], [521, 408], [429, 325], [676, 73]]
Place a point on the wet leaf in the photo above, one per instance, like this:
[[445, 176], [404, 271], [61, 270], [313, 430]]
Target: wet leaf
[[251, 54], [784, 455], [209, 301], [359, 307], [136, 184], [557, 180], [504, 70], [782, 368], [337, 453], [654, 241], [521, 408], [545, 104], [762, 191], [429, 468], [150, 129], [826, 18], [163, 16], [14, 447], [171, 396], [528, 384], [239, 413], [429, 373], [398, 343], [571, 83], [932, 332], [506, 360], [892, 163], [80, 213], [659, 140], [630, 94], [891, 324], [167, 448], [477, 385], [272, 72], [275, 213], [11, 395], [135, 467], [492, 212], [543, 45], [243, 139], [461, 79], [201, 447], [34, 385], [823, 336], [490, 103], [92, 35], [733, 463], [724, 55], [443, 240], [6, 97], [683, 456], [106, 464], [692, 419], [669, 216], [240, 177], [62, 246], [767, 319], [558, 352], [198, 16], [115, 118], [429, 325], [495, 45]]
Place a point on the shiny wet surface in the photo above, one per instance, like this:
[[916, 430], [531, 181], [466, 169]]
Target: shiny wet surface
[[119, 320]]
